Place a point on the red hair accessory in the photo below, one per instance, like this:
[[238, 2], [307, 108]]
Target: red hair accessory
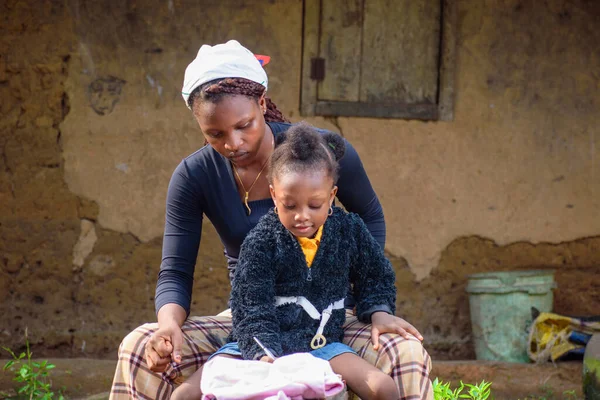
[[263, 60]]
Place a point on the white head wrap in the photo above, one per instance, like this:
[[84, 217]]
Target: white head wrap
[[228, 60]]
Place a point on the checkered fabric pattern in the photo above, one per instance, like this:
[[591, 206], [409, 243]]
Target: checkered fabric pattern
[[405, 360]]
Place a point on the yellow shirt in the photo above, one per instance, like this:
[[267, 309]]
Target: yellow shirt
[[310, 246]]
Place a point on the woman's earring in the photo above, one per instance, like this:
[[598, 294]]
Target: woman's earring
[[275, 210], [330, 211]]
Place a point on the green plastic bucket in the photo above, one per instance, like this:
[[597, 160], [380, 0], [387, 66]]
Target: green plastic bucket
[[500, 304]]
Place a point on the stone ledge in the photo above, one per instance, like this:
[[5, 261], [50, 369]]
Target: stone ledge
[[90, 379]]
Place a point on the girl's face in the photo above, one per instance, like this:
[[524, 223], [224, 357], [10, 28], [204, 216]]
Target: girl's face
[[303, 200], [234, 126]]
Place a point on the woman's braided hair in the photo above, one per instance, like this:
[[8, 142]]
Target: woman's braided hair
[[214, 91]]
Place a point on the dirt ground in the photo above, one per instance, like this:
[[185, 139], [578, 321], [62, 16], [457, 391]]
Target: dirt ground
[[90, 379]]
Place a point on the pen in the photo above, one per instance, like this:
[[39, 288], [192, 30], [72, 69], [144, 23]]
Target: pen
[[267, 351]]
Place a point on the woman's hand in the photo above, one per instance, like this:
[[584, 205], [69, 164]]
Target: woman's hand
[[382, 322], [163, 347], [165, 344], [266, 359]]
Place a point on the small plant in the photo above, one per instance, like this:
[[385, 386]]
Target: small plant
[[33, 376], [569, 395], [443, 391]]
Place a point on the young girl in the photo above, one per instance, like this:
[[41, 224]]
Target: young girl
[[296, 265]]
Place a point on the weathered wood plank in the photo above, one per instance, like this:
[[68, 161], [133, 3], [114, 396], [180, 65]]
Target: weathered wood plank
[[400, 54], [341, 30], [447, 61], [378, 110], [308, 97]]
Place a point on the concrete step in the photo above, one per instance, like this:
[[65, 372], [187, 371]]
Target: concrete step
[[90, 379]]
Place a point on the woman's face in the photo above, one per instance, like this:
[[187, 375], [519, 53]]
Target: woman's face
[[234, 126]]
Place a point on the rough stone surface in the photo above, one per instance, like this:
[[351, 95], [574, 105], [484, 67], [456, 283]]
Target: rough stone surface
[[92, 124], [85, 243]]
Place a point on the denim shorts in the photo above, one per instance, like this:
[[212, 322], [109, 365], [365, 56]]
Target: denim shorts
[[326, 353]]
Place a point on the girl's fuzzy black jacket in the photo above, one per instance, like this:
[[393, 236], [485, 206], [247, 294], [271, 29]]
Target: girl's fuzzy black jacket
[[272, 264]]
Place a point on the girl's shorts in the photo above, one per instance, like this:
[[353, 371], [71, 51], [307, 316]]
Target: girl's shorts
[[326, 353]]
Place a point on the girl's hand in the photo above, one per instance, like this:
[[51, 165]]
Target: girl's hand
[[266, 359], [382, 322]]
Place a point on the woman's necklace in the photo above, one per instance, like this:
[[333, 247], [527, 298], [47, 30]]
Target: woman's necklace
[[247, 192]]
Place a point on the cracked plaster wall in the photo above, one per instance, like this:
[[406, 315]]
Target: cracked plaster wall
[[521, 160], [93, 124]]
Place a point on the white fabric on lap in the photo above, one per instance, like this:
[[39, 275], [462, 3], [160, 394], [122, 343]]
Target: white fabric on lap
[[295, 376]]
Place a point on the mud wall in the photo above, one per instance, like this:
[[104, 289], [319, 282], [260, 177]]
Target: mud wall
[[93, 124]]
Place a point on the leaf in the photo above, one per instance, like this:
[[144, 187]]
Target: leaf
[[10, 351], [8, 364]]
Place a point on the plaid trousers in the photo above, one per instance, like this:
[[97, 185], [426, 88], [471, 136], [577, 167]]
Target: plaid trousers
[[405, 360]]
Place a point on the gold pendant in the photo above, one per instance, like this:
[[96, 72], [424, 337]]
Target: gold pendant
[[246, 203]]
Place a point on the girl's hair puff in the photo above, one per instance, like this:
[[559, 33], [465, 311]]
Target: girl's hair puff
[[303, 149]]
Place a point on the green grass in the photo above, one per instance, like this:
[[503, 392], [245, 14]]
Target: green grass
[[444, 391]]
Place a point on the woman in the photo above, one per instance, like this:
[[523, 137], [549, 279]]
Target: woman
[[225, 88]]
